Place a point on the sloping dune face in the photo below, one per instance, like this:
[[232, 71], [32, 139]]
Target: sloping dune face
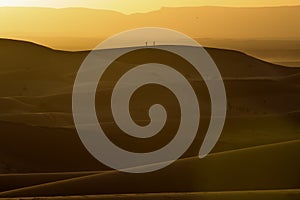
[[257, 150], [214, 173]]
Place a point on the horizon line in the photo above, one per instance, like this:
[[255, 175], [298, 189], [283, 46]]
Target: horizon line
[[154, 10]]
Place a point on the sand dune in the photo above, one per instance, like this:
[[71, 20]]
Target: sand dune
[[293, 79], [231, 195], [13, 181], [48, 119], [247, 169], [27, 148], [246, 97], [40, 95], [12, 105], [39, 82], [256, 151], [46, 71], [42, 149]]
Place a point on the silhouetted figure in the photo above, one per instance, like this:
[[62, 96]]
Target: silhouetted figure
[[154, 43], [146, 44]]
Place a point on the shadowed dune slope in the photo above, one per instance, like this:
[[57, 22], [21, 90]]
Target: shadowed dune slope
[[27, 148], [231, 195], [263, 107], [13, 181], [250, 169]]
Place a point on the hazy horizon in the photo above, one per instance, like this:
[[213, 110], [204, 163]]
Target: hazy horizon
[[156, 9], [134, 6], [196, 22]]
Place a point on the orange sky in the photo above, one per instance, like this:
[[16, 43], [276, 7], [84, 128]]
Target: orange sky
[[132, 6]]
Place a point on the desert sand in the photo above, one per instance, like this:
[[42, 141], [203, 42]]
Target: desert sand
[[41, 154]]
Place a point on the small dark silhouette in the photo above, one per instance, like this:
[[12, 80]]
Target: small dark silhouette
[[154, 43], [146, 44]]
